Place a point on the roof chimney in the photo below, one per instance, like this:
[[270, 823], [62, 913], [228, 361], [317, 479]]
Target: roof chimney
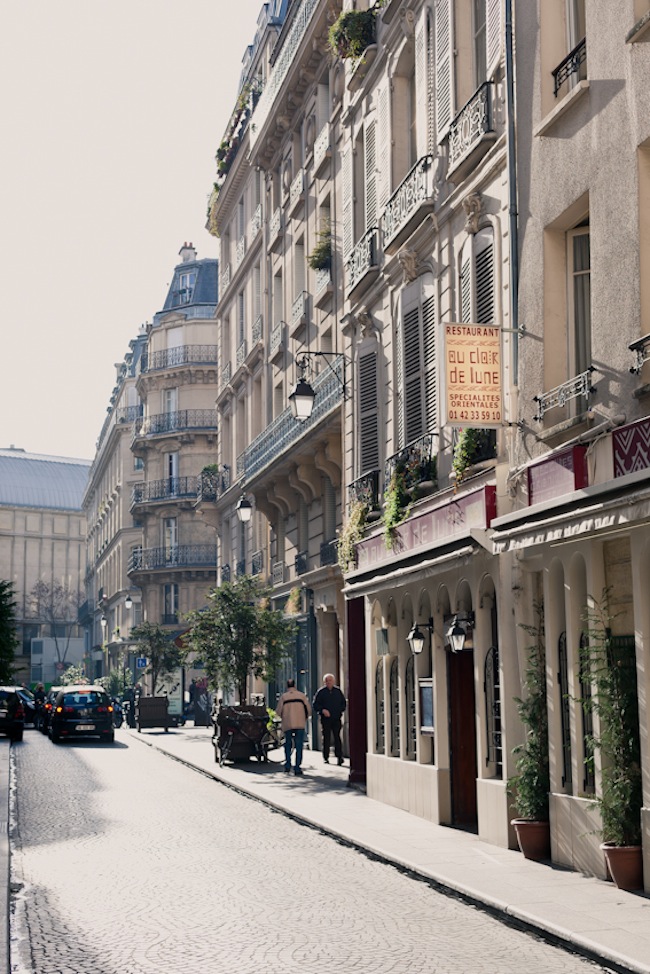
[[187, 253]]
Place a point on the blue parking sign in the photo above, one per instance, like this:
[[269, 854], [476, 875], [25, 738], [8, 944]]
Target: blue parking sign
[[141, 662]]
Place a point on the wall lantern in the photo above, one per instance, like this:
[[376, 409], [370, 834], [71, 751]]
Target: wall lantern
[[244, 509], [128, 602], [302, 398], [415, 638], [458, 630]]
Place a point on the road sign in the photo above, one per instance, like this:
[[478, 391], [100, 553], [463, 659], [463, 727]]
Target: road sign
[[141, 662]]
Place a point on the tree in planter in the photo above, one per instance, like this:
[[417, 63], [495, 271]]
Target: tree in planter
[[610, 664], [237, 633], [8, 638], [163, 654], [530, 787]]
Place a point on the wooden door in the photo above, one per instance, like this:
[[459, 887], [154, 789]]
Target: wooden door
[[462, 740]]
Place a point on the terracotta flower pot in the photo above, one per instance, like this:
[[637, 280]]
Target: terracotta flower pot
[[534, 838], [625, 864]]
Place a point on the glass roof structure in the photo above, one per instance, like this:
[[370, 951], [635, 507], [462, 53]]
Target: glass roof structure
[[34, 480]]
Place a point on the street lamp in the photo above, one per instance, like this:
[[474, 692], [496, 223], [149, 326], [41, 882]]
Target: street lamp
[[415, 638], [128, 602], [458, 629], [244, 509], [302, 398]]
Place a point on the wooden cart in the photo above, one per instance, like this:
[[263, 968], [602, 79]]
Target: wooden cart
[[152, 712]]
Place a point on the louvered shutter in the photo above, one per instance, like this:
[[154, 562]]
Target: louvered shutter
[[421, 92], [346, 180], [444, 66], [466, 291], [429, 357], [413, 425], [484, 270], [399, 366], [384, 147], [369, 419], [370, 168], [492, 34], [257, 292]]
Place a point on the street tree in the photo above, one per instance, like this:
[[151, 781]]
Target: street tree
[[237, 634], [57, 604], [162, 653], [8, 638]]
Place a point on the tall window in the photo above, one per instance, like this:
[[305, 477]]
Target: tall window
[[187, 282], [171, 472], [170, 539], [368, 411], [416, 362], [170, 604], [380, 717], [579, 285], [492, 689], [477, 278], [565, 711], [411, 722], [394, 708], [480, 50]]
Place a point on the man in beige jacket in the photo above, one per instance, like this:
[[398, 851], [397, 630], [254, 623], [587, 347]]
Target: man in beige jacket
[[294, 709]]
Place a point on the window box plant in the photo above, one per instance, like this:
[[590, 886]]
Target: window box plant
[[320, 258], [352, 33]]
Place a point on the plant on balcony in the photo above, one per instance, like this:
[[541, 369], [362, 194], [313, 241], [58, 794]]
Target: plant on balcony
[[351, 534], [531, 785], [320, 258], [473, 445], [237, 635], [294, 602], [396, 505], [226, 154], [353, 32]]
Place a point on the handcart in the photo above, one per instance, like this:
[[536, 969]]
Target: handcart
[[241, 733], [151, 712]]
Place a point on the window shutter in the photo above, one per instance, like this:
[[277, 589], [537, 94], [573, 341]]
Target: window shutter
[[322, 107], [257, 292], [429, 358], [370, 151], [466, 291], [493, 35], [384, 150], [484, 264], [399, 362], [421, 86], [412, 375], [444, 67], [346, 180], [369, 419]]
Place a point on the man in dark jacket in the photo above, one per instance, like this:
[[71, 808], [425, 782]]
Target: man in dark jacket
[[329, 702]]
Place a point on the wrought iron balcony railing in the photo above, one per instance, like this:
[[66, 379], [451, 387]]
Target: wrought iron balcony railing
[[255, 224], [275, 226], [211, 484], [641, 349], [256, 331], [417, 461], [413, 192], [328, 553], [226, 375], [302, 562], [168, 358], [169, 487], [224, 278], [366, 490], [240, 567], [169, 619], [473, 121], [297, 189], [225, 573], [285, 430], [257, 562], [580, 385], [570, 66], [173, 556], [277, 338], [322, 150], [240, 251], [242, 352], [299, 309], [282, 67], [323, 279], [175, 422], [362, 259], [278, 573]]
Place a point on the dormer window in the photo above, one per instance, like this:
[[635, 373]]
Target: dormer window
[[186, 288]]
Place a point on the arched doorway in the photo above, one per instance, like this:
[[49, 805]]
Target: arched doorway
[[462, 729]]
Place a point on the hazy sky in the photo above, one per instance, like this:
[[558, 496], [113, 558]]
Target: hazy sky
[[111, 116]]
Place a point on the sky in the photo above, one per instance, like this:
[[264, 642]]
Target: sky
[[111, 112]]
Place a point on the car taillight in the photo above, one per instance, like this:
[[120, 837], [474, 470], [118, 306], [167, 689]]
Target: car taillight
[[59, 710], [66, 710], [20, 710], [48, 706]]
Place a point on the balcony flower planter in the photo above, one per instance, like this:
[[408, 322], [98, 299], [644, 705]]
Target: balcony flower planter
[[353, 32]]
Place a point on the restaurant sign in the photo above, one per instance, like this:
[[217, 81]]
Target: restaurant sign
[[473, 375]]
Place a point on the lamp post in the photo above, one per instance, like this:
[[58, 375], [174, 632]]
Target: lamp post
[[302, 398]]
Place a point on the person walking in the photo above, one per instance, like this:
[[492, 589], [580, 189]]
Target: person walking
[[330, 703], [293, 708]]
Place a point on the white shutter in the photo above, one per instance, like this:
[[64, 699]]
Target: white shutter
[[370, 171], [384, 148], [444, 61], [429, 357], [257, 292], [399, 369], [412, 375], [346, 181], [493, 32], [368, 413], [322, 107], [421, 87], [484, 277]]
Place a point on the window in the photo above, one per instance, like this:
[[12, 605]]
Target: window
[[170, 605], [380, 720], [411, 722], [368, 426], [171, 472], [241, 318], [492, 690], [170, 539], [589, 779], [170, 401], [579, 288], [416, 362], [187, 282], [394, 708], [138, 463], [565, 712], [480, 49], [476, 285]]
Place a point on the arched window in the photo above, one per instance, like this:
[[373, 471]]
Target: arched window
[[563, 679], [380, 720], [411, 723], [589, 780], [394, 708], [492, 689]]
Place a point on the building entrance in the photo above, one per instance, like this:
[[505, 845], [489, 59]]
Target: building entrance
[[462, 740]]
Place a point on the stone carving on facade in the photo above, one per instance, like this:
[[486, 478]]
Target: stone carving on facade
[[366, 324], [408, 262], [472, 207], [407, 22]]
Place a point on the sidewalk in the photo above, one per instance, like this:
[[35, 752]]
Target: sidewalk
[[591, 916]]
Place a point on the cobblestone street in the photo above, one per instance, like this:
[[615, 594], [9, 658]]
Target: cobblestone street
[[127, 862]]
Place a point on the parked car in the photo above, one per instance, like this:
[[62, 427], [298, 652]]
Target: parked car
[[29, 704], [48, 706], [12, 714], [81, 711]]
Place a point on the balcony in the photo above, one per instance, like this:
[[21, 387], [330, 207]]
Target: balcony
[[324, 287], [416, 461], [299, 313], [226, 376], [322, 149], [240, 567], [409, 204], [285, 430], [242, 352], [572, 64], [362, 265], [578, 387], [257, 562], [276, 344], [366, 490], [225, 573], [329, 553], [301, 562], [224, 279], [178, 488], [277, 573], [170, 358], [256, 331], [211, 484], [175, 556], [180, 421], [276, 226], [471, 132], [240, 251], [641, 349], [297, 192], [255, 224]]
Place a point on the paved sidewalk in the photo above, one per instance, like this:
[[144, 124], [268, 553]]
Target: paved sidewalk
[[4, 852], [589, 914]]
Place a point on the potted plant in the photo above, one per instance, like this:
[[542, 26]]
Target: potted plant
[[610, 663], [352, 33], [396, 505], [320, 258], [472, 446], [351, 534], [531, 785]]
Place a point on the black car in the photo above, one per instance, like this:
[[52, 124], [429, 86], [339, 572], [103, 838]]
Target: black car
[[81, 711], [29, 704], [12, 714], [48, 706]]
